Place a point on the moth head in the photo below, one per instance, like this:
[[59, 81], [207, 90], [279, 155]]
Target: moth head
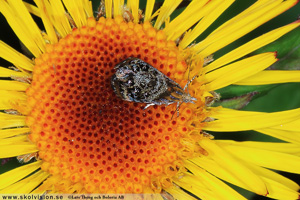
[[124, 73]]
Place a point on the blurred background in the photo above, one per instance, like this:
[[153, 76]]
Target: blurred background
[[269, 98]]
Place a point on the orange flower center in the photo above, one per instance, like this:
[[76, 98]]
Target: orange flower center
[[89, 139]]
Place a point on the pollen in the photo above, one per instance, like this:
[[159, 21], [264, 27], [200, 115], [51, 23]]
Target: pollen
[[92, 141]]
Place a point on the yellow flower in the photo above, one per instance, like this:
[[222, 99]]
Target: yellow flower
[[60, 108]]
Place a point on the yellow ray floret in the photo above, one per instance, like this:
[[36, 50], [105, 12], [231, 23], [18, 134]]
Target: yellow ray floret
[[13, 85], [134, 6], [9, 98], [7, 120], [78, 14], [13, 132], [11, 150], [290, 126], [108, 8], [16, 58], [189, 16], [206, 21], [266, 173], [178, 193], [285, 135], [218, 170], [251, 46], [51, 35], [279, 191], [255, 7], [231, 31], [222, 190], [279, 187], [149, 10], [165, 11], [190, 183], [252, 181], [244, 120], [19, 139], [264, 158], [239, 70], [271, 146], [4, 72], [17, 174], [118, 7], [28, 184], [20, 20], [290, 187], [271, 77], [32, 9], [58, 17]]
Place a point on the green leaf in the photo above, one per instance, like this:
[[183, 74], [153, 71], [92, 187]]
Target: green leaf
[[239, 90], [95, 4], [236, 102]]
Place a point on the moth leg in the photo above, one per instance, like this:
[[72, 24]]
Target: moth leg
[[177, 109], [148, 105]]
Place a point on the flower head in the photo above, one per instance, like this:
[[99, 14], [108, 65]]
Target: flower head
[[60, 107]]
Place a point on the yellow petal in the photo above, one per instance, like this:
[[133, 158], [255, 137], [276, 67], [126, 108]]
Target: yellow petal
[[190, 183], [254, 120], [279, 187], [242, 24], [265, 158], [271, 175], [58, 17], [17, 174], [239, 70], [11, 150], [13, 132], [118, 6], [285, 135], [290, 126], [16, 58], [32, 9], [4, 72], [250, 47], [219, 171], [52, 37], [77, 12], [221, 190], [271, 146], [165, 11], [7, 120], [20, 139], [13, 85], [10, 97], [178, 193], [134, 5], [279, 191], [245, 175], [149, 10], [108, 8], [20, 20], [271, 77], [205, 22], [26, 185], [189, 16]]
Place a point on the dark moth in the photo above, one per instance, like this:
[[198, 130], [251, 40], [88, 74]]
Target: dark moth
[[137, 81]]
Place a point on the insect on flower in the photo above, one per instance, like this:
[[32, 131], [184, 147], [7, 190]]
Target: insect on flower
[[138, 81]]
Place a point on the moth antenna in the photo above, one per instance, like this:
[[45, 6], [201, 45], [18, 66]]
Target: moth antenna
[[187, 84], [189, 81]]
